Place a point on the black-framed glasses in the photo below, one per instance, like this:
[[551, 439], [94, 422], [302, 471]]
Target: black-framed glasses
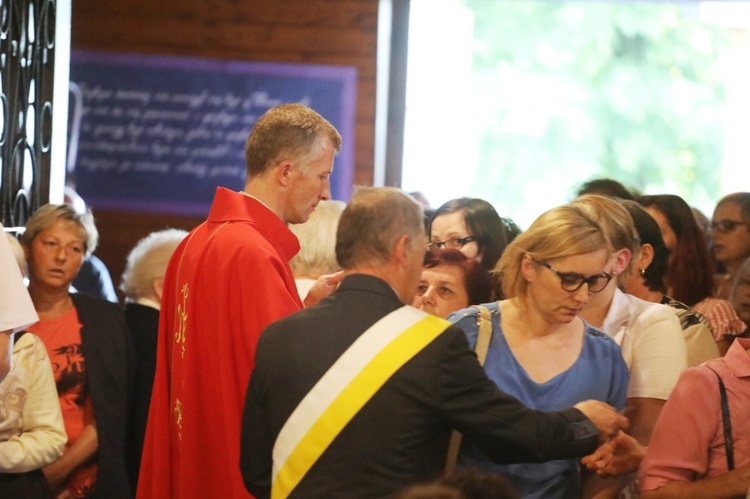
[[726, 225], [456, 243], [572, 281]]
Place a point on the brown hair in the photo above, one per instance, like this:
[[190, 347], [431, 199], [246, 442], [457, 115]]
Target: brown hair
[[476, 279], [287, 130]]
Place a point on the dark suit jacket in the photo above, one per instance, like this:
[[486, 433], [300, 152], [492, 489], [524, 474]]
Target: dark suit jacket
[[143, 323], [400, 436], [110, 363]]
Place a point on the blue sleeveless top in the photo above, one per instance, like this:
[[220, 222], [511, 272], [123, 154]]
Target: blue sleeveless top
[[599, 373]]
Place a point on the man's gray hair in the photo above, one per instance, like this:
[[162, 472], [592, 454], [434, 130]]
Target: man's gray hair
[[372, 223]]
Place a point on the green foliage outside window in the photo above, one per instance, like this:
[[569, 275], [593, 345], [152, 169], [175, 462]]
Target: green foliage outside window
[[575, 90]]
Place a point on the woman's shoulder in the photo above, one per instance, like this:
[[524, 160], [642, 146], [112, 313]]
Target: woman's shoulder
[[26, 340], [646, 315], [29, 348], [473, 312], [599, 338]]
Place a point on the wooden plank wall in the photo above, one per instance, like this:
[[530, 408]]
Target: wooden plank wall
[[341, 32]]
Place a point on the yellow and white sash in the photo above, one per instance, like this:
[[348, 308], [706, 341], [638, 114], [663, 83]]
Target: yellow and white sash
[[345, 388]]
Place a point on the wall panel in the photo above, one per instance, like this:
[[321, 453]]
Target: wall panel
[[339, 32]]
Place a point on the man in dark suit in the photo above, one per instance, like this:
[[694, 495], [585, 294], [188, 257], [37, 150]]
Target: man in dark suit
[[334, 410]]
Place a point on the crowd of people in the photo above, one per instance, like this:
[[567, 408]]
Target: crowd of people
[[295, 346]]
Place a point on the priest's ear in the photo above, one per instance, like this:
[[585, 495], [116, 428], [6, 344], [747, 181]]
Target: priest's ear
[[284, 172]]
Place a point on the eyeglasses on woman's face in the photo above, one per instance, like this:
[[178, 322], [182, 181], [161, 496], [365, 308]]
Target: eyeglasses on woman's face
[[456, 243], [725, 226], [573, 281]]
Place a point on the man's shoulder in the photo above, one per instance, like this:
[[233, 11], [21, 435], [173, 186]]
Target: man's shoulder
[[227, 241]]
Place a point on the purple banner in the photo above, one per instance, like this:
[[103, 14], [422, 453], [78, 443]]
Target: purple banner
[[159, 134]]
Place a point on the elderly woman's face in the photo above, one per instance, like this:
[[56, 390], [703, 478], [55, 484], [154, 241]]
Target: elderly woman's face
[[55, 255], [441, 291]]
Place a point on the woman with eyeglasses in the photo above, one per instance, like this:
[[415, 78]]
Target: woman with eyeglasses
[[690, 276], [540, 350], [649, 335], [471, 226], [730, 234]]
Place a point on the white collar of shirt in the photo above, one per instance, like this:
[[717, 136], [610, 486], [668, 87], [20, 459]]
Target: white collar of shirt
[[617, 316]]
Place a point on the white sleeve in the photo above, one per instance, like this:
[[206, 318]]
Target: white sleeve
[[42, 437], [659, 353]]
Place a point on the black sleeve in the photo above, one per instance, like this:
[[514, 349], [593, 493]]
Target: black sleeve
[[505, 429], [256, 440]]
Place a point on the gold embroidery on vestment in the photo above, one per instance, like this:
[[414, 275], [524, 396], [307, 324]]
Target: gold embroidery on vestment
[[178, 417], [179, 335]]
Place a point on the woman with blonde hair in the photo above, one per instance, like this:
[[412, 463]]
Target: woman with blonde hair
[[540, 350], [91, 354], [649, 335]]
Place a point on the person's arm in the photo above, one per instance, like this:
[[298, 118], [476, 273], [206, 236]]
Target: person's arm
[[624, 453], [682, 441], [505, 429], [42, 437], [733, 483], [595, 486], [642, 413], [81, 452]]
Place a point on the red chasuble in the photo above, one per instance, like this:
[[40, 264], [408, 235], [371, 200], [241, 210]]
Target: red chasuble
[[226, 282]]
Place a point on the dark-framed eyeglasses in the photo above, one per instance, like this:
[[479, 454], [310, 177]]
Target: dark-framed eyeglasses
[[572, 281], [724, 226], [456, 243]]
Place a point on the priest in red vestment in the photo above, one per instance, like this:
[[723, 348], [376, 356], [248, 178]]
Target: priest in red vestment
[[225, 283]]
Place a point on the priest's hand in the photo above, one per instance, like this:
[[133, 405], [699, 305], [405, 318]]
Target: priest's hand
[[324, 286]]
